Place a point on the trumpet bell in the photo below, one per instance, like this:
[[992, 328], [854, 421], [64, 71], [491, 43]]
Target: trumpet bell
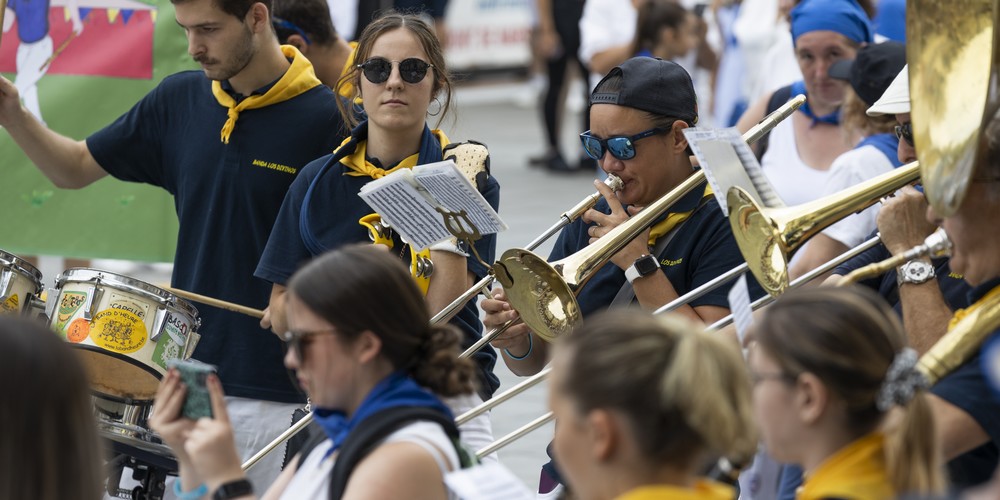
[[768, 235], [539, 293], [951, 58]]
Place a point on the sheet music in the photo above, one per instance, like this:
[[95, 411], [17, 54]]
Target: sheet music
[[729, 162], [739, 304], [408, 200], [490, 481]]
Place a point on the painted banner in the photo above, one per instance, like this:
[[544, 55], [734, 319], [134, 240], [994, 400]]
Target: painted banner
[[79, 64]]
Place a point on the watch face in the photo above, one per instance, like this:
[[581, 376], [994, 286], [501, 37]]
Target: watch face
[[918, 271], [646, 265]]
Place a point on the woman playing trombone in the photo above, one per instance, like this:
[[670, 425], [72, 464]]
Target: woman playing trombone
[[637, 134]]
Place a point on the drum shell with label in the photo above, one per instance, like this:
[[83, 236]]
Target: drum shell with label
[[20, 283], [127, 330]]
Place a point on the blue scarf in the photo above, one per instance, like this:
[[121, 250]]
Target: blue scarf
[[886, 143], [394, 391], [430, 152], [799, 88]]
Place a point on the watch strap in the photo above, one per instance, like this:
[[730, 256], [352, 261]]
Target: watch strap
[[643, 266], [233, 489]]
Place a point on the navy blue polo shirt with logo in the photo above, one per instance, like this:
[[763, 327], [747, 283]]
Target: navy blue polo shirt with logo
[[966, 387], [334, 211], [227, 197], [701, 250]]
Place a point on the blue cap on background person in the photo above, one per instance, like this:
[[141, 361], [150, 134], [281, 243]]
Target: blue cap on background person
[[842, 16]]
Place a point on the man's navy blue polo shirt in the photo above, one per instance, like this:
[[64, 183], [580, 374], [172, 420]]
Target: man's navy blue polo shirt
[[702, 249], [227, 197], [334, 211]]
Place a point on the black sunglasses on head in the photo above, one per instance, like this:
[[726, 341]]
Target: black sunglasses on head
[[904, 132], [378, 69]]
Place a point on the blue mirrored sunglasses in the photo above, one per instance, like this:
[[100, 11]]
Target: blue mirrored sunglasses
[[621, 147]]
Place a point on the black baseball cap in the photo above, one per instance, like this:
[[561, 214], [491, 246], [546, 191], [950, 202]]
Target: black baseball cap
[[872, 70], [652, 85]]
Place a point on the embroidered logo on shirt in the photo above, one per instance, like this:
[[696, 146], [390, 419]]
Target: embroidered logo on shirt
[[668, 262], [275, 166], [956, 276]]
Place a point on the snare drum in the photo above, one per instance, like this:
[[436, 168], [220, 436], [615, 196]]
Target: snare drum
[[127, 329], [20, 284]]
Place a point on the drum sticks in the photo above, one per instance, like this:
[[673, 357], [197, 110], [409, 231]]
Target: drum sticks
[[221, 304]]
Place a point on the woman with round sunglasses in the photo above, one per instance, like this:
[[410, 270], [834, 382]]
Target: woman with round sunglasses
[[638, 114], [400, 80], [642, 402], [357, 361], [836, 391]]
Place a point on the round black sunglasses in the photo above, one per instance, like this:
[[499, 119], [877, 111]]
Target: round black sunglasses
[[378, 69]]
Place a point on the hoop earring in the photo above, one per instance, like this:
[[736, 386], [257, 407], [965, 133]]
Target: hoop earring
[[439, 108], [358, 105]]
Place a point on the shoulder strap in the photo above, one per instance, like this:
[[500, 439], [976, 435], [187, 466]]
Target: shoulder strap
[[370, 432], [778, 98]]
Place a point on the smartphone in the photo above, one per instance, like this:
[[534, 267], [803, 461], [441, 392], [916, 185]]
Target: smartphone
[[194, 374]]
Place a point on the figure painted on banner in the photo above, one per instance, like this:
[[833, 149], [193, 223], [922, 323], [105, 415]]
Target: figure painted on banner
[[226, 142], [35, 53]]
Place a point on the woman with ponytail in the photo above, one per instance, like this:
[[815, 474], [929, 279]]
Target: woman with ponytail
[[643, 403], [399, 81], [357, 361], [837, 392]]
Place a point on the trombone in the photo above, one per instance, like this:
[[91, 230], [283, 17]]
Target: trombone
[[544, 293], [501, 269]]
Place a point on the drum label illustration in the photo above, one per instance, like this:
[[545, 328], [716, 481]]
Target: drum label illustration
[[171, 344], [69, 304], [11, 305], [78, 331], [121, 327]]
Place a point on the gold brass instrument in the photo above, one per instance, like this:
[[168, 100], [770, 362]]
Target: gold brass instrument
[[961, 341], [482, 286], [952, 68], [766, 236], [544, 294]]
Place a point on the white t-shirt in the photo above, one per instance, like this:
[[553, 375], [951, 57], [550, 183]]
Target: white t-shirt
[[605, 24], [793, 180], [312, 479], [850, 168]]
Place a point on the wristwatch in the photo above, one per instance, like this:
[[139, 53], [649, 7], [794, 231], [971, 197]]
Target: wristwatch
[[914, 271], [643, 266], [233, 489]]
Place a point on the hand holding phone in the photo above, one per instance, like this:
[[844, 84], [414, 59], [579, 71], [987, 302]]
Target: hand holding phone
[[197, 403]]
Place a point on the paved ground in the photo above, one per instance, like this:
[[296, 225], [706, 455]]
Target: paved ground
[[504, 117]]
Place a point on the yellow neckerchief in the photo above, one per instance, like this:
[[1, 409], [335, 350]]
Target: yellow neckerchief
[[299, 78], [856, 471], [960, 314], [702, 490], [358, 166], [674, 219], [347, 89]]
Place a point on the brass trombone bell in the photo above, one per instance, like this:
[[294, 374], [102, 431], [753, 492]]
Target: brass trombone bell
[[767, 236], [952, 69]]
